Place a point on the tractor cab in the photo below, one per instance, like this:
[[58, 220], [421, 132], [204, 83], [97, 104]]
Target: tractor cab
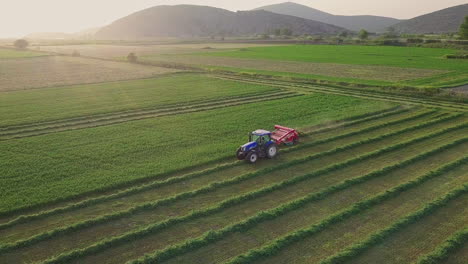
[[260, 145]]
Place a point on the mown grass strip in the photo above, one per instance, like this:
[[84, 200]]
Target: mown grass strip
[[23, 219], [118, 115], [273, 213], [162, 107], [277, 245], [338, 187], [455, 242], [118, 120], [350, 92], [381, 235], [100, 246]]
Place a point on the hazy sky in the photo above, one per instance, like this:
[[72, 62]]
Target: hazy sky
[[20, 17]]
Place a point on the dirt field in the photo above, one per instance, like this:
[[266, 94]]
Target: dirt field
[[57, 70]]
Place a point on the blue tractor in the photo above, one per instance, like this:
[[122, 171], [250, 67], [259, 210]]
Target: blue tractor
[[260, 145]]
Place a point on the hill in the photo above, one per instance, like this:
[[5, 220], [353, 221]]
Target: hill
[[198, 21], [443, 21], [355, 23]]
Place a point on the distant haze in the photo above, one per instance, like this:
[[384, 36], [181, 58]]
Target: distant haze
[[20, 17]]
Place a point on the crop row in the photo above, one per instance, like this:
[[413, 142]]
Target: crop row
[[262, 216], [139, 110], [116, 119], [452, 244], [275, 246], [348, 92], [173, 180], [377, 237], [153, 228]]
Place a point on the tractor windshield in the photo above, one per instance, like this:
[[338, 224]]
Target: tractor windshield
[[254, 137]]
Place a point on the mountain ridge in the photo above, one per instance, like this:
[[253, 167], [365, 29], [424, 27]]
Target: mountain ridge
[[200, 21], [370, 23]]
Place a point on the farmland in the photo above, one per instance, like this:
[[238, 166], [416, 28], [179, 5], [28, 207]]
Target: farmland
[[105, 161], [16, 54], [48, 71], [403, 65]]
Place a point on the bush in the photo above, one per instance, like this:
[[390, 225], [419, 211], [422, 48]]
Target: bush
[[433, 41], [132, 57], [21, 43], [415, 40]]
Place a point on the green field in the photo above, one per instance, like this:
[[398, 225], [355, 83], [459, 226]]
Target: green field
[[20, 107], [17, 54], [113, 162], [372, 65]]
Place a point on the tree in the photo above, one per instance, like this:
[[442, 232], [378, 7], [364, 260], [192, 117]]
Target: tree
[[132, 57], [464, 29], [391, 33], [21, 43], [277, 32], [286, 32], [343, 34], [363, 34]]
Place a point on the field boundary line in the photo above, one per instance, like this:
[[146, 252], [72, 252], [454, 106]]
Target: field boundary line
[[255, 254], [141, 181], [239, 199], [25, 218], [442, 252]]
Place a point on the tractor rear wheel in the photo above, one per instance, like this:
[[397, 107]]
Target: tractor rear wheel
[[252, 157], [271, 151]]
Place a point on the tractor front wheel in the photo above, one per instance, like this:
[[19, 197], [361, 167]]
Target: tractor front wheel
[[252, 157], [271, 151]]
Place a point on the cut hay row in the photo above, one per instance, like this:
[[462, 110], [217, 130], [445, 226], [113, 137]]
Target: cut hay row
[[179, 179], [144, 186], [117, 119], [59, 211], [257, 254], [66, 233], [156, 227], [275, 246], [348, 92], [442, 253], [355, 187], [378, 237], [129, 113]]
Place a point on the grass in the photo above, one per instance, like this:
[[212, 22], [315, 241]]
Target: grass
[[355, 185], [316, 239], [53, 71], [397, 244], [23, 107], [400, 57], [162, 239], [17, 54], [70, 163], [140, 194]]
